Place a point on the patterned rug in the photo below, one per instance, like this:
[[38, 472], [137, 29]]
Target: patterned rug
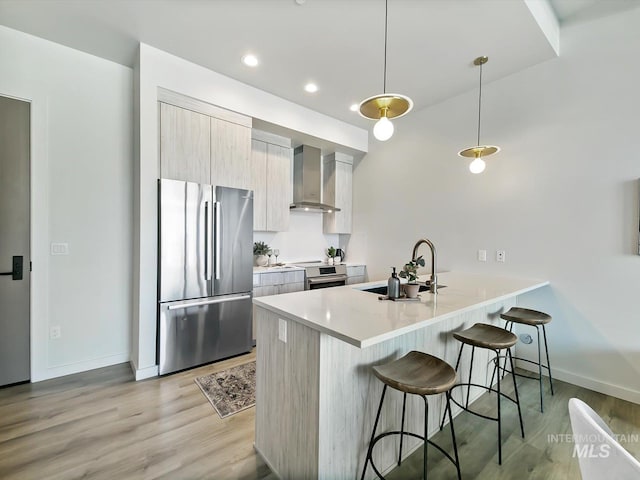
[[232, 390]]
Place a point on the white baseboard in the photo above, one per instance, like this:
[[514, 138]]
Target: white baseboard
[[144, 373], [586, 382], [62, 370]]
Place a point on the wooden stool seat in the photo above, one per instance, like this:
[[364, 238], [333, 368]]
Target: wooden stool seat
[[418, 373], [483, 335], [421, 374], [537, 319], [526, 316]]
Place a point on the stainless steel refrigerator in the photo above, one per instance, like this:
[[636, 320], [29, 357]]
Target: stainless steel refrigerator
[[205, 273]]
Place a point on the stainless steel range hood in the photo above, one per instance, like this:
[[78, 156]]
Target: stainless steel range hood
[[307, 181]]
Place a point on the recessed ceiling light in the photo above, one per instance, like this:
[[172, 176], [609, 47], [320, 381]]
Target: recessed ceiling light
[[354, 107], [311, 87], [250, 60]]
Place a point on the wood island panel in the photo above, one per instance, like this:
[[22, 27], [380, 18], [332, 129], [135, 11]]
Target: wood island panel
[[317, 397]]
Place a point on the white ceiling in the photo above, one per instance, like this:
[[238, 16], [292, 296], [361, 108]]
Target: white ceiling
[[336, 43]]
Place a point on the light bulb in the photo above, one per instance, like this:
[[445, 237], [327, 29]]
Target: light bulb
[[383, 129], [477, 166]]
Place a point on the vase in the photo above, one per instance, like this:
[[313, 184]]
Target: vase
[[261, 260], [411, 290]]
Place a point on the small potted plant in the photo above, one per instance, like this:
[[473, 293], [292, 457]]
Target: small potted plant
[[410, 272], [260, 252], [331, 253]]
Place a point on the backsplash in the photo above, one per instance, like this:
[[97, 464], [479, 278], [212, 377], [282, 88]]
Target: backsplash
[[303, 241]]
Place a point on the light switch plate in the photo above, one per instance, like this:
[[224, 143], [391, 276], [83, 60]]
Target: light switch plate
[[482, 255], [282, 330], [59, 249]]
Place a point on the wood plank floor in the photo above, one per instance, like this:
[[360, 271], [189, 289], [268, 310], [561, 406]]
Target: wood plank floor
[[104, 425], [543, 454]]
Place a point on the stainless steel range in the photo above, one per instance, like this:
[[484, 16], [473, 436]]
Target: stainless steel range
[[321, 275]]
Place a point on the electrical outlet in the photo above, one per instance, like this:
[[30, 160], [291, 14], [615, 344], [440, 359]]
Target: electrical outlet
[[501, 256], [55, 332], [482, 255], [282, 330]]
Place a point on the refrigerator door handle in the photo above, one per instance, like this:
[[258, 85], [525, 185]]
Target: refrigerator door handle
[[207, 250], [218, 260], [208, 302]]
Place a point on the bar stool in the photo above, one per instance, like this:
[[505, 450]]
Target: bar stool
[[489, 337], [533, 318], [420, 374]]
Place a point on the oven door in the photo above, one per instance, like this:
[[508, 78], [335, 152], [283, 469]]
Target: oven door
[[325, 281]]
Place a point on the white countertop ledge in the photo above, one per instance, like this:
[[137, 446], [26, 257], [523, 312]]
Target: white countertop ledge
[[359, 318]]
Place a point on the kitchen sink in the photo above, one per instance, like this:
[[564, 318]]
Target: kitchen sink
[[382, 289]]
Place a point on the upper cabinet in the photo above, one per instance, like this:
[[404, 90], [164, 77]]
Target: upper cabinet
[[230, 154], [203, 143], [184, 144], [271, 157], [337, 186]]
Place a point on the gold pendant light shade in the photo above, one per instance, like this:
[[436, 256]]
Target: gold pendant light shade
[[390, 105], [479, 151], [385, 106]]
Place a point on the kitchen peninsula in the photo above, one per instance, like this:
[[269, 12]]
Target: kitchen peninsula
[[316, 396]]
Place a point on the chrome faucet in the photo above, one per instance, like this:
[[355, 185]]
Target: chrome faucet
[[434, 279]]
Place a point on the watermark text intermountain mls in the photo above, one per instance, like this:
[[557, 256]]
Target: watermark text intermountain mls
[[592, 445]]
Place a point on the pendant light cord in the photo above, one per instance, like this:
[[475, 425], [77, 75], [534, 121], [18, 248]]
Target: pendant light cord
[[386, 13], [479, 105]]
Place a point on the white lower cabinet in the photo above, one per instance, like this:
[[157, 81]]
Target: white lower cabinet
[[275, 283], [356, 274]]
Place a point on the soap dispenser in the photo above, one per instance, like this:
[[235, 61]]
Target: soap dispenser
[[393, 285]]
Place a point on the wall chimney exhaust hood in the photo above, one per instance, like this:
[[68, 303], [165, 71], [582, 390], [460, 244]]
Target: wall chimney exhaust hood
[[307, 181]]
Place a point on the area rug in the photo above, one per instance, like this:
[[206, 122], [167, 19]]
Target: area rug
[[232, 390]]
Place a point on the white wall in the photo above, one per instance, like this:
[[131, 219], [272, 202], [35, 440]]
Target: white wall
[[304, 241], [81, 192], [561, 198], [158, 69]]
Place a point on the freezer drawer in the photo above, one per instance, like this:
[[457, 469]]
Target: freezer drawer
[[195, 332]]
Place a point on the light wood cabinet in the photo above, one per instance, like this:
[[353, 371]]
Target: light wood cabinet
[[203, 143], [275, 283], [337, 185], [230, 154], [259, 184], [184, 144], [271, 181], [356, 274]]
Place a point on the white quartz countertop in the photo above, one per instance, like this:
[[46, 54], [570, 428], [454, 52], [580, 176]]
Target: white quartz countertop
[[359, 318], [279, 268]]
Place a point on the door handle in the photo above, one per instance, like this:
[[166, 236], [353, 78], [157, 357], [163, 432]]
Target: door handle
[[218, 260], [17, 265]]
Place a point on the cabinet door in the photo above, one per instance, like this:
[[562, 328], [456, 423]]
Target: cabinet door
[[337, 190], [344, 196], [184, 144], [230, 154], [259, 184], [278, 187]]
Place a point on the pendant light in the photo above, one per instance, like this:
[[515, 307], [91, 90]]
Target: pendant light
[[479, 151], [387, 105]]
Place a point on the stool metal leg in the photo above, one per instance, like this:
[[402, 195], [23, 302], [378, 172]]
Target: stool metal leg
[[546, 348], [373, 433], [473, 349], [453, 435], [448, 404], [540, 370], [404, 406], [515, 388], [426, 433], [499, 417]]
